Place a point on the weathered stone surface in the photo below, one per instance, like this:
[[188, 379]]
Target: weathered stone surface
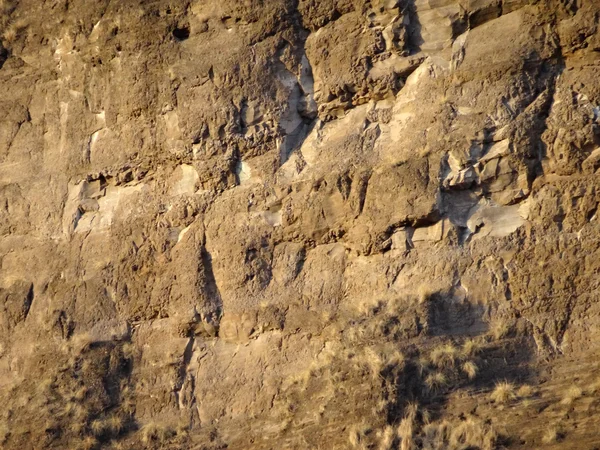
[[299, 224]]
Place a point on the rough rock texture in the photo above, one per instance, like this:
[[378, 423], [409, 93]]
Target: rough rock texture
[[299, 224]]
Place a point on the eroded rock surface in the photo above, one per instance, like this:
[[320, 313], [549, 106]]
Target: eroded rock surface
[[299, 224]]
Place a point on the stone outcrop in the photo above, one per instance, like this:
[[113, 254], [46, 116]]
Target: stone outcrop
[[299, 224]]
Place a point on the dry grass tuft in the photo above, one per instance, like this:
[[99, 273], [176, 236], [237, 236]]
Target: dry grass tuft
[[552, 435], [435, 382], [70, 408], [115, 424], [98, 427], [356, 437], [503, 393], [571, 394], [373, 360], [77, 427], [386, 438], [80, 394], [464, 435], [128, 350], [471, 348], [499, 329], [156, 433], [396, 359], [45, 386], [422, 364], [471, 369], [471, 434], [13, 30], [595, 386], [81, 342], [89, 443], [444, 356], [525, 391], [407, 428]]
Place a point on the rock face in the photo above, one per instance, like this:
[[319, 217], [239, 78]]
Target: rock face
[[299, 224]]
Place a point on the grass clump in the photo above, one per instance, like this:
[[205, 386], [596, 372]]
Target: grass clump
[[157, 433], [503, 393], [98, 427], [470, 369], [572, 393], [470, 348], [88, 443], [115, 424], [408, 426], [499, 329], [444, 356], [466, 434], [525, 391], [357, 437], [552, 435], [435, 382], [386, 438]]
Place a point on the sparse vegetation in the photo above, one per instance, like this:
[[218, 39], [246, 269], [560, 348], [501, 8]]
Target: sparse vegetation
[[503, 393]]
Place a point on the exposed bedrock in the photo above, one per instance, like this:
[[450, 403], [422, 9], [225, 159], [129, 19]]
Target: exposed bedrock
[[299, 224]]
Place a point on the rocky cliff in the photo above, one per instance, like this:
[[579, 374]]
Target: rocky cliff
[[299, 224]]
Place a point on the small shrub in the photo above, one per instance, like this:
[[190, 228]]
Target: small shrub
[[503, 393]]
